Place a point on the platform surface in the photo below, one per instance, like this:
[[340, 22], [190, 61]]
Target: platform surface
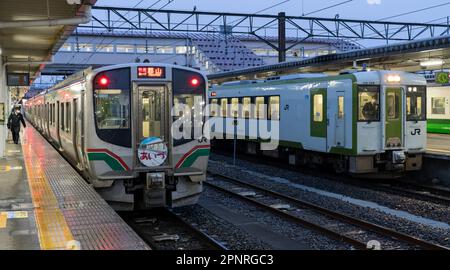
[[438, 144], [46, 204]]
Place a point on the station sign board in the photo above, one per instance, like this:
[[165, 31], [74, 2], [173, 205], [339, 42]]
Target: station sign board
[[442, 78], [18, 79]]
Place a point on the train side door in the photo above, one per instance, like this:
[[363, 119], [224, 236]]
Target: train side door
[[336, 119], [76, 134], [340, 120], [318, 114]]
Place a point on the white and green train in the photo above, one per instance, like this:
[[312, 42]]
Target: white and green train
[[367, 123]]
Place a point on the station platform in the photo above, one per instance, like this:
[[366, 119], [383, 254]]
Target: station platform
[[46, 204]]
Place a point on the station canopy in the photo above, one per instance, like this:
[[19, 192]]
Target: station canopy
[[433, 53], [24, 47]]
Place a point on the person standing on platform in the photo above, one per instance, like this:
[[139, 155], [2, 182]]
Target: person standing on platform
[[14, 123]]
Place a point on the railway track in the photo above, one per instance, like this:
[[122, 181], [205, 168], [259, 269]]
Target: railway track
[[423, 192], [396, 187], [265, 194], [163, 229]]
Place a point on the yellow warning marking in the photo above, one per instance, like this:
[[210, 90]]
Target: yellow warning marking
[[3, 219], [53, 231]]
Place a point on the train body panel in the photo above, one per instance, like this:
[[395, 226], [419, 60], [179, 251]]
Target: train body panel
[[438, 109], [362, 120], [115, 125]]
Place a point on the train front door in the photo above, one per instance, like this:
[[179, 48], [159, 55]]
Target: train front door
[[153, 126], [393, 112]]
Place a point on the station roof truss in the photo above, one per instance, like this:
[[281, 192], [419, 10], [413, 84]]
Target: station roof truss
[[136, 19], [406, 56], [26, 48]]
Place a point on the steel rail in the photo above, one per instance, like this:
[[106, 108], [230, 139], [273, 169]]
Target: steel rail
[[330, 233], [342, 217]]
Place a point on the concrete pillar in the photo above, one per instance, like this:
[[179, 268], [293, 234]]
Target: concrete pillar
[[4, 100]]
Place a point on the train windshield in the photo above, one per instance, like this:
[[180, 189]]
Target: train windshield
[[188, 101], [112, 106], [369, 103], [415, 103]]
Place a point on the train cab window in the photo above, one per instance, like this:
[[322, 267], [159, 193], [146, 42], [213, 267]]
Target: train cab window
[[415, 103], [318, 108], [274, 107], [234, 108], [189, 87], [368, 103], [392, 107], [223, 107], [246, 107], [260, 108], [112, 106], [213, 107], [438, 105]]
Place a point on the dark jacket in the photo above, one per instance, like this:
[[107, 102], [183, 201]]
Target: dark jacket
[[15, 119]]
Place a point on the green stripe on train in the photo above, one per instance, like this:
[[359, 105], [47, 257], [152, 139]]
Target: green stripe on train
[[438, 126], [193, 157], [112, 162]]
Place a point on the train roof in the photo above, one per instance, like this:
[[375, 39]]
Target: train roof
[[361, 77]]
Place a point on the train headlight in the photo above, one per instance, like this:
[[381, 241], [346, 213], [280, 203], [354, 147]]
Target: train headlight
[[103, 81], [194, 82], [393, 78]]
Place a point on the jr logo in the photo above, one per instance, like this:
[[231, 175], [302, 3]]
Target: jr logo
[[416, 131]]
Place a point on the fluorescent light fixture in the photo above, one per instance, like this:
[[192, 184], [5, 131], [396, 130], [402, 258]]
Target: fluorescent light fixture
[[432, 62], [393, 78]]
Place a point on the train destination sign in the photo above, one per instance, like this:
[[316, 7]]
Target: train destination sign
[[18, 79], [151, 72]]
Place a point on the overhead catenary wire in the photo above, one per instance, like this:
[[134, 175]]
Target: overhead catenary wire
[[114, 39], [325, 8]]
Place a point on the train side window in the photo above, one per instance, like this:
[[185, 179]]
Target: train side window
[[368, 103], [274, 107], [61, 119], [53, 114], [260, 108], [68, 117], [234, 110], [223, 107], [213, 107], [318, 108], [415, 103], [246, 107], [438, 105]]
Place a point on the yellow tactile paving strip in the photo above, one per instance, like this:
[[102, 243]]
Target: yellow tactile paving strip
[[53, 231], [3, 219]]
